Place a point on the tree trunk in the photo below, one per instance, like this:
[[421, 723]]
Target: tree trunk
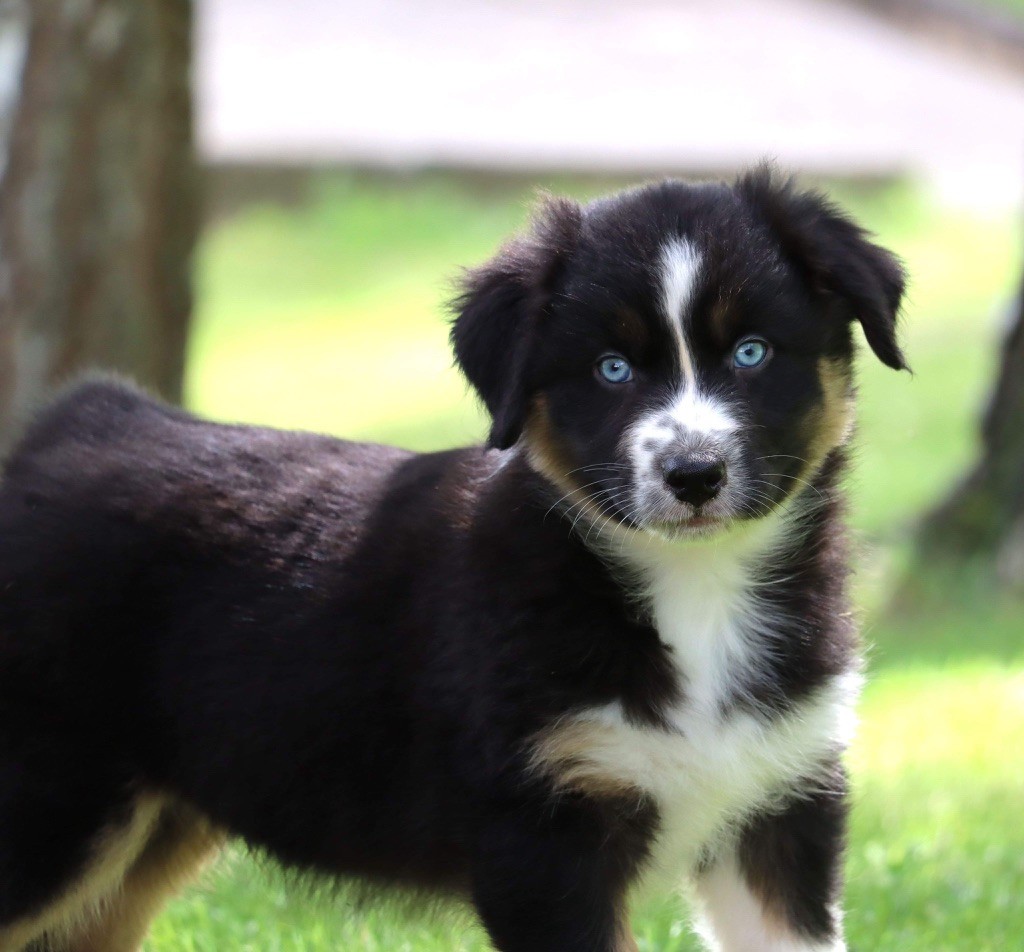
[[98, 200], [982, 521]]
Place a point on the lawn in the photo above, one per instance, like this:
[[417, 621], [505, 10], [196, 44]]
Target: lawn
[[328, 315]]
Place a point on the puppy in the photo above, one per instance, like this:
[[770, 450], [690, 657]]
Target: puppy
[[611, 648]]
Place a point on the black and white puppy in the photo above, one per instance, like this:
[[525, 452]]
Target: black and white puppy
[[613, 648]]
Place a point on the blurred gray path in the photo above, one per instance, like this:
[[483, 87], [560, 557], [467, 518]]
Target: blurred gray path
[[599, 84]]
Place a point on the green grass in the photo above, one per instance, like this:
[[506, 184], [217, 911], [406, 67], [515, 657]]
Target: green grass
[[329, 316]]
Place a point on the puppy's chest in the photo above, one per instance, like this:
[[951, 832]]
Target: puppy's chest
[[715, 760]]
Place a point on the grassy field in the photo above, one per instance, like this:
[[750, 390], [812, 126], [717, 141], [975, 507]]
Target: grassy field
[[328, 316]]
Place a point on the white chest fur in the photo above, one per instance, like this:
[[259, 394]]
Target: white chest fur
[[716, 762]]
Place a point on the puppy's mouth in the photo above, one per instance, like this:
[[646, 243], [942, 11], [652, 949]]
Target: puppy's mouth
[[693, 526], [676, 523], [699, 523]]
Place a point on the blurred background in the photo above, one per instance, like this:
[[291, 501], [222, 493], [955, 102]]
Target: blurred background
[[257, 208]]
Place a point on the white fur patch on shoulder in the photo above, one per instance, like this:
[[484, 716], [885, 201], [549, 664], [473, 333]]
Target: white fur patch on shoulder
[[680, 271], [734, 920]]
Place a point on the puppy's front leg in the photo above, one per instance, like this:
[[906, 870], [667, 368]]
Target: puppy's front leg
[[554, 880], [777, 889]]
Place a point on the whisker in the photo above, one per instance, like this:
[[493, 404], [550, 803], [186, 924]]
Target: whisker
[[796, 479], [573, 491], [764, 459]]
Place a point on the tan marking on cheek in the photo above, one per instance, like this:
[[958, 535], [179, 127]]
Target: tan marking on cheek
[[545, 451], [549, 456], [832, 423], [563, 753]]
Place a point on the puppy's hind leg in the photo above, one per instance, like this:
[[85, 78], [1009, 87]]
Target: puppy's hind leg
[[180, 845], [61, 852]]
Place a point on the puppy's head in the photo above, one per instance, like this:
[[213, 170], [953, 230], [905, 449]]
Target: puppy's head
[[678, 357]]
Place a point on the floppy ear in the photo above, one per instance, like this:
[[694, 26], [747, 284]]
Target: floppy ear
[[835, 255], [499, 309]]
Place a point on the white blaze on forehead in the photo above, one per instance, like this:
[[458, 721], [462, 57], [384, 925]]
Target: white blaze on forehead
[[680, 270], [680, 273]]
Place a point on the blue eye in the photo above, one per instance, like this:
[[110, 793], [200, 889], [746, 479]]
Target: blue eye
[[750, 353], [615, 369]]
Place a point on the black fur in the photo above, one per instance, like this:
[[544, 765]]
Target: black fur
[[343, 653], [790, 857], [500, 309], [865, 280]]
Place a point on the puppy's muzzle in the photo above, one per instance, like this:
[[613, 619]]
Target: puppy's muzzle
[[695, 478]]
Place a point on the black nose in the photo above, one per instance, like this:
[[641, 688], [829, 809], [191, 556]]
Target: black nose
[[694, 479]]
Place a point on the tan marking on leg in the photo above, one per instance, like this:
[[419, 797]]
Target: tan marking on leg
[[564, 753], [113, 853], [180, 847]]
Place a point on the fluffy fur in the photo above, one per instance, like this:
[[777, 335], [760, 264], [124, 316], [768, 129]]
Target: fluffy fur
[[613, 648]]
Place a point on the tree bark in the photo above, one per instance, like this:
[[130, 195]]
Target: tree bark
[[982, 521], [98, 200]]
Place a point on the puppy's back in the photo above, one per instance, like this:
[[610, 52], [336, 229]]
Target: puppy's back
[[111, 492], [104, 445]]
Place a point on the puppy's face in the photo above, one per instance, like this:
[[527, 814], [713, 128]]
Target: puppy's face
[[678, 358]]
